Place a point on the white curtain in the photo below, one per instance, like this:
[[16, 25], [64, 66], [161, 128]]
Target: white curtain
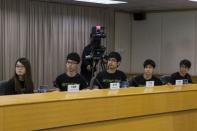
[[45, 33]]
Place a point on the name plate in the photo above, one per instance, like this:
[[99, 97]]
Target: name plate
[[179, 82], [114, 86], [185, 81], [150, 83], [73, 88]]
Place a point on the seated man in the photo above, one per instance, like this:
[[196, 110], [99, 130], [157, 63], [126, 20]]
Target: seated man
[[111, 75], [183, 74], [71, 76], [149, 66]]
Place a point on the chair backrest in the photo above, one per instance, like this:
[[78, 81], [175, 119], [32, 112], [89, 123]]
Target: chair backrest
[[2, 87], [165, 79]]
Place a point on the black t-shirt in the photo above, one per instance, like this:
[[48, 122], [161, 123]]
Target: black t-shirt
[[177, 76], [63, 80], [103, 79], [12, 90], [140, 81]]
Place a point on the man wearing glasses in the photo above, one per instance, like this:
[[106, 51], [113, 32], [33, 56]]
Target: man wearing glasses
[[71, 78], [112, 74]]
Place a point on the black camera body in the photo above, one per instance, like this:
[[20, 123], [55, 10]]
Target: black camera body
[[97, 32], [93, 53], [96, 35]]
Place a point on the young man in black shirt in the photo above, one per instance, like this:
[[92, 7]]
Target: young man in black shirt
[[183, 74], [149, 66], [71, 76], [111, 75]]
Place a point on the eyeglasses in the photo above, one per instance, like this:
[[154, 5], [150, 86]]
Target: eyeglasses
[[71, 62], [17, 66], [183, 66], [112, 60]]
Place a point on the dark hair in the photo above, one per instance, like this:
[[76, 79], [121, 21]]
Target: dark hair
[[186, 63], [73, 56], [28, 83], [115, 55], [149, 62]]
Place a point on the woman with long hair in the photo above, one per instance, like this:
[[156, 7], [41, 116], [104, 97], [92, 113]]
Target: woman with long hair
[[21, 82]]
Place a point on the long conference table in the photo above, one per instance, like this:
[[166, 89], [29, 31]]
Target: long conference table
[[162, 108]]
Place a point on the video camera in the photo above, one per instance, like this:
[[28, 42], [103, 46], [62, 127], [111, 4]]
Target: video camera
[[98, 50], [93, 53], [97, 32]]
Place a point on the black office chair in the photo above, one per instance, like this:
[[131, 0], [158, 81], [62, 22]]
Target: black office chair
[[2, 87], [165, 79]]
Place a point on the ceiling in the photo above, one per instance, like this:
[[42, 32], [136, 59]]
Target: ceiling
[[141, 5]]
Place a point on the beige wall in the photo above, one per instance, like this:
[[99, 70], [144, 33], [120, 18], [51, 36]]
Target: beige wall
[[123, 39], [165, 37]]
